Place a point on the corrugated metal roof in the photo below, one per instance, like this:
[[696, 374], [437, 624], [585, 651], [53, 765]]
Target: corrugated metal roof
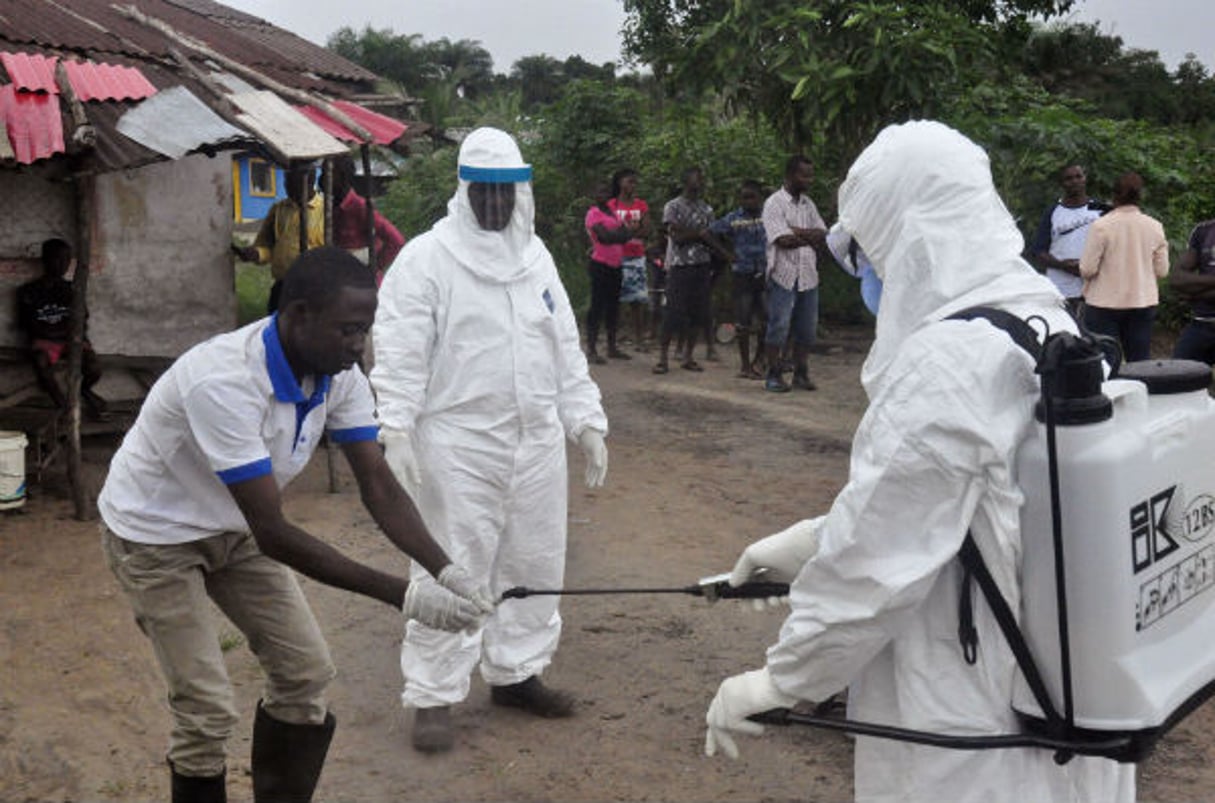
[[97, 26], [289, 134], [93, 81], [194, 124], [38, 31], [384, 130], [31, 72], [32, 122]]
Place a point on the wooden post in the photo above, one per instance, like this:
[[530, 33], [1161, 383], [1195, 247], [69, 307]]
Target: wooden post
[[303, 210], [327, 188], [327, 185], [365, 152], [85, 185]]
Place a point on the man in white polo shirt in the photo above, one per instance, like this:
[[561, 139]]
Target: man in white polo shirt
[[192, 509]]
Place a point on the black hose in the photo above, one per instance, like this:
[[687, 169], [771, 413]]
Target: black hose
[[1096, 747]]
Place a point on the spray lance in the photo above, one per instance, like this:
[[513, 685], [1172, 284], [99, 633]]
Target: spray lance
[[711, 588]]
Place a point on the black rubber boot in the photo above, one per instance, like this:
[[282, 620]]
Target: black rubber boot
[[204, 789], [287, 759]]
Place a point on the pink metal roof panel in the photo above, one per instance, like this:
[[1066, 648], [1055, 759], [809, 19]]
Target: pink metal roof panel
[[384, 130], [32, 122], [31, 72], [93, 81]]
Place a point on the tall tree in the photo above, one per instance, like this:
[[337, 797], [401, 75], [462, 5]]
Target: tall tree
[[834, 69], [402, 58], [465, 64]]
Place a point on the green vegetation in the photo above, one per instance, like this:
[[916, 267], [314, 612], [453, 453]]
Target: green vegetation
[[735, 85]]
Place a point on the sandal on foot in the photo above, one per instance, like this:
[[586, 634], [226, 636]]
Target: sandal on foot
[[661, 368], [691, 365]]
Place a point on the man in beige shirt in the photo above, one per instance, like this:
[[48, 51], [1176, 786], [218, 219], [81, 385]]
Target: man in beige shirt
[[1126, 252]]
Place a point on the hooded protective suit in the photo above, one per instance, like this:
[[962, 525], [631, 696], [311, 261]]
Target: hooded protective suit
[[478, 363], [875, 608]]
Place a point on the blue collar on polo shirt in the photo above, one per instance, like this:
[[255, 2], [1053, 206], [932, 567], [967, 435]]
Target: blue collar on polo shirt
[[282, 378]]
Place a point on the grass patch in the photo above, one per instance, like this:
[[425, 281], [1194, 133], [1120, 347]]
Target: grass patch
[[252, 290], [230, 641]]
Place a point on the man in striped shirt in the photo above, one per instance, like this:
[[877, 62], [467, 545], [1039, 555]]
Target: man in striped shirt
[[795, 231]]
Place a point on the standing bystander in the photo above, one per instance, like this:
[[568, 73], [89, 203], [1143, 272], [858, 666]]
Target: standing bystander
[[350, 229], [278, 239], [686, 219], [633, 212], [1126, 252], [1194, 281], [795, 230], [608, 235], [1064, 226], [744, 228]]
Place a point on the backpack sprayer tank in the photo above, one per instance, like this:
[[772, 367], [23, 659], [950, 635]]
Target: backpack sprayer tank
[[1136, 482]]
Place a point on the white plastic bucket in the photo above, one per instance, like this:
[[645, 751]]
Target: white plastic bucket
[[12, 469]]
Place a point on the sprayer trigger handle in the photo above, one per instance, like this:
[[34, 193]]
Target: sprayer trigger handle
[[756, 589]]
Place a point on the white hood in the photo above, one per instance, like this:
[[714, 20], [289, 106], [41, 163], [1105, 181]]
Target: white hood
[[921, 202], [488, 155]]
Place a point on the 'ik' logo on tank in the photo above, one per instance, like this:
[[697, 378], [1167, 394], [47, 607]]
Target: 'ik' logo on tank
[[1151, 539]]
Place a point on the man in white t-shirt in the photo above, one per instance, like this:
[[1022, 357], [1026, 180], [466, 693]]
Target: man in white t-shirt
[[192, 510], [1062, 231]]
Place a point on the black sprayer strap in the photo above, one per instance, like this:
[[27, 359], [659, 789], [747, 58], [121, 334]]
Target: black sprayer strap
[[1021, 332], [968, 636], [973, 567], [972, 562]]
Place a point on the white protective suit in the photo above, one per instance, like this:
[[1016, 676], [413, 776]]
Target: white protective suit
[[876, 608], [477, 357]]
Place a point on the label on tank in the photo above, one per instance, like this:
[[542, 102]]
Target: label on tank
[[1169, 527]]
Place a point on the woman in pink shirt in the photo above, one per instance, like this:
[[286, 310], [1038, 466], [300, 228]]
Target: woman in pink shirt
[[608, 236], [634, 212], [1125, 253]]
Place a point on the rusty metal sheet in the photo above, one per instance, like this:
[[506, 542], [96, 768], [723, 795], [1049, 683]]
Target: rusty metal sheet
[[289, 134]]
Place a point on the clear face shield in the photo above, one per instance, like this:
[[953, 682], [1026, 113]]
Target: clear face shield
[[852, 259], [492, 193]]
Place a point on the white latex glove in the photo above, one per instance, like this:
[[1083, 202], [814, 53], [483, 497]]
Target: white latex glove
[[459, 582], [595, 450], [781, 556], [435, 606], [398, 452], [738, 698]]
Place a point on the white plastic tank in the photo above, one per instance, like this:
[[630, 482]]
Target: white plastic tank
[[1138, 520], [12, 469]]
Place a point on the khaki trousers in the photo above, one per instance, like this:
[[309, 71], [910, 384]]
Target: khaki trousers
[[168, 587]]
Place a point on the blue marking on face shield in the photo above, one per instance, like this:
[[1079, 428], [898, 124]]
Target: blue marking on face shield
[[496, 175]]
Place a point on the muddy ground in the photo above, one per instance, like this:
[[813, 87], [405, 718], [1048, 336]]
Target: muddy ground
[[700, 465]]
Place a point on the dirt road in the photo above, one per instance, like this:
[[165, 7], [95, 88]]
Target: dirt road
[[701, 464]]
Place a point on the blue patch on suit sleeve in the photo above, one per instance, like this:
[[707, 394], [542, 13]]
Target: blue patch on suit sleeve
[[548, 301]]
